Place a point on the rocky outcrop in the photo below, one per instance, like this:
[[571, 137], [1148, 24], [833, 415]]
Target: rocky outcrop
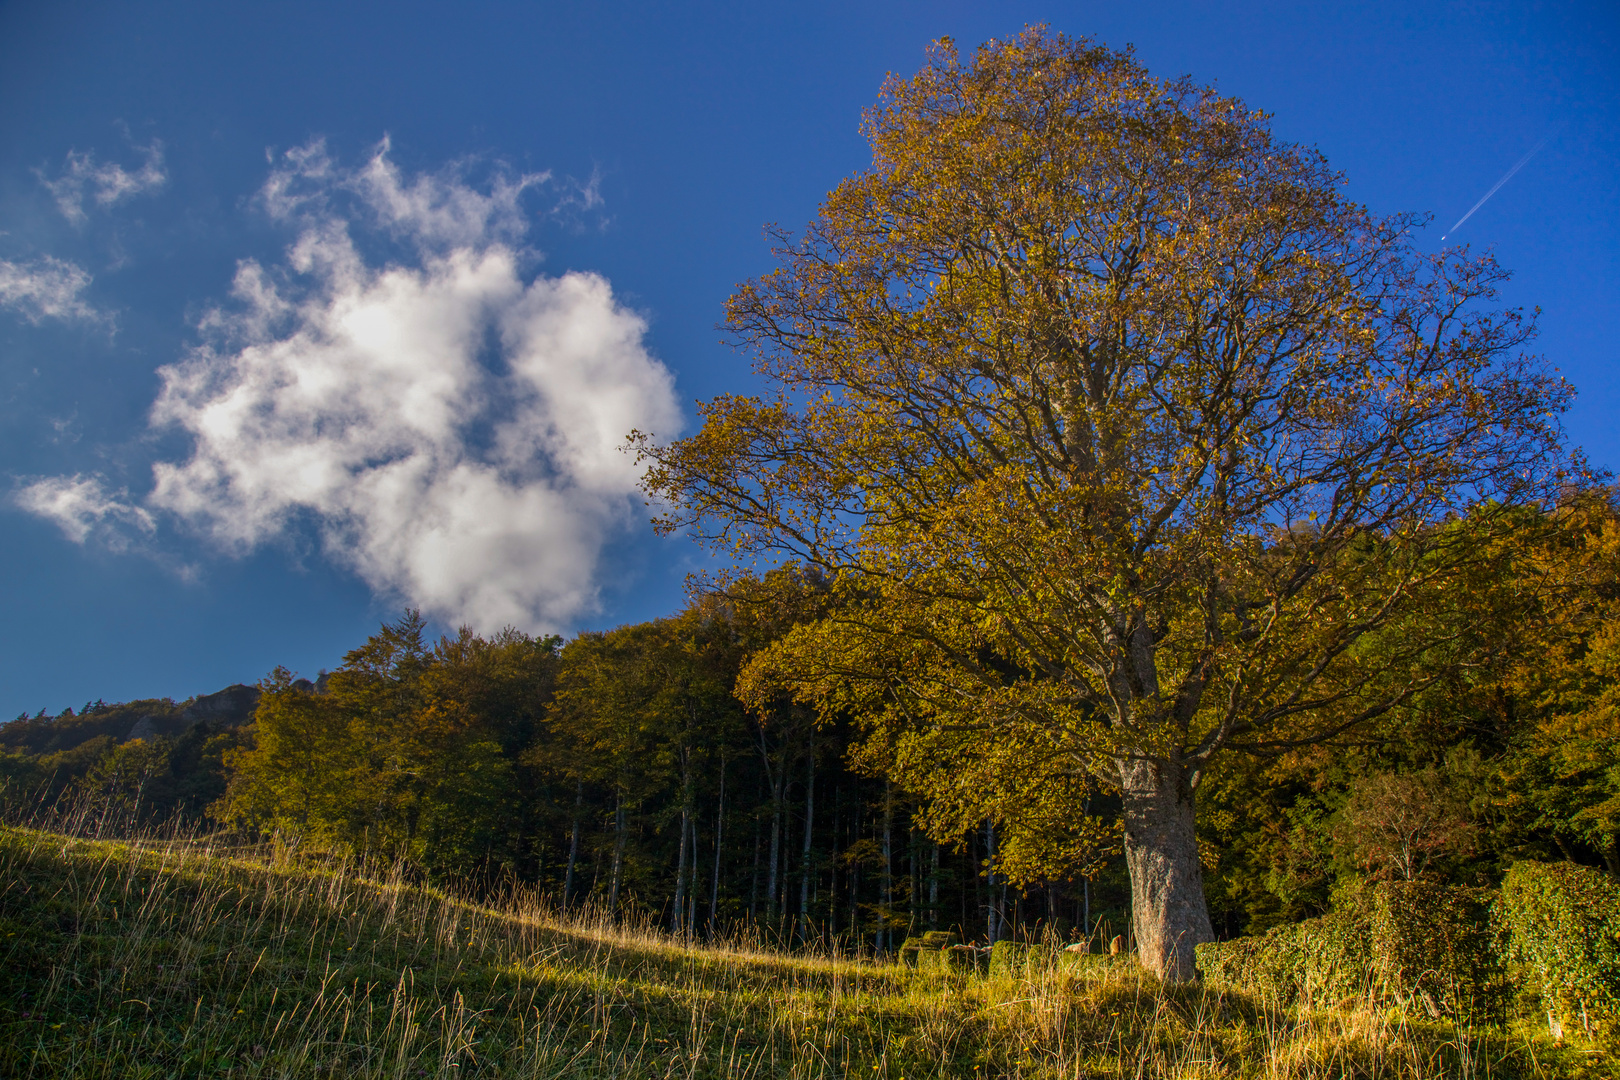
[[230, 707], [144, 728]]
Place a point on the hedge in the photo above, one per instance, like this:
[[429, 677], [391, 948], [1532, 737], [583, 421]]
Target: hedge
[[1413, 943], [1434, 945], [1325, 958], [935, 951], [1562, 928], [1010, 958]]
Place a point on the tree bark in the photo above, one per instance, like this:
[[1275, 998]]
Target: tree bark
[[809, 827], [678, 916], [719, 826], [694, 884], [1168, 911], [933, 887], [992, 918], [618, 854], [573, 842], [888, 870], [753, 884]]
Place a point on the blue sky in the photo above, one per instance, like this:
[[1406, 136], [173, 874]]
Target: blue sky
[[451, 250]]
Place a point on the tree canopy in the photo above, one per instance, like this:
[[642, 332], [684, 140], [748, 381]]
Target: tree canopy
[[1118, 431]]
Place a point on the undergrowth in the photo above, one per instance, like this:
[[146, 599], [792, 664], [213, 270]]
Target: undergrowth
[[188, 958]]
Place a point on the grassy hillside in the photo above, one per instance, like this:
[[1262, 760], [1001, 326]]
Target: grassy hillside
[[181, 959]]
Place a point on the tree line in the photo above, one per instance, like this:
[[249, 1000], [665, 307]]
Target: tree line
[[656, 769]]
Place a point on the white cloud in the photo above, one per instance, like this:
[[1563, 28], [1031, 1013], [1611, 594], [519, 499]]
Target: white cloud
[[103, 185], [47, 288], [455, 430], [433, 210], [81, 505]]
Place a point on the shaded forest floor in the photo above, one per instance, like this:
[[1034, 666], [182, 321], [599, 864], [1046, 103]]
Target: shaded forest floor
[[186, 959]]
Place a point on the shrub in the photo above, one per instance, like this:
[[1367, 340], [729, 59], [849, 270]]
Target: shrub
[[1408, 942], [927, 951], [1324, 958], [1009, 958], [1562, 925], [1433, 944]]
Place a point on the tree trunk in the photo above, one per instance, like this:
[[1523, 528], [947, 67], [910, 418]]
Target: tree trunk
[[809, 826], [719, 826], [573, 842], [753, 884], [694, 885], [835, 847], [992, 921], [888, 870], [772, 910], [1169, 914], [914, 877], [933, 887], [678, 916], [618, 854]]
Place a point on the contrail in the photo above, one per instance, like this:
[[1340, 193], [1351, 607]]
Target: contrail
[[1517, 165]]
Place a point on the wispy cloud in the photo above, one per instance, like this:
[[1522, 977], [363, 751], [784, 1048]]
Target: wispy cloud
[[82, 180], [452, 427], [48, 288], [82, 506]]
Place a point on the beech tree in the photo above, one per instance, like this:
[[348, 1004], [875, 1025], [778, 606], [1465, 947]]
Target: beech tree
[[1116, 431]]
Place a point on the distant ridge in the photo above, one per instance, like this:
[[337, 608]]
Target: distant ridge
[[143, 719]]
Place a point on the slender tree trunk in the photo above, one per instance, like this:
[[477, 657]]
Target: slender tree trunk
[[992, 923], [933, 888], [693, 886], [804, 862], [573, 843], [678, 916], [1169, 913], [618, 853], [832, 862], [719, 825], [753, 885], [913, 878], [855, 893], [976, 876], [888, 870], [772, 909]]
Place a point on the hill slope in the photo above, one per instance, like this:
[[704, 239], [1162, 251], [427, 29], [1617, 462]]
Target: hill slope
[[180, 959]]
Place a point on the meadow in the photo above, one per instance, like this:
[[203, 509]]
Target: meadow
[[185, 955]]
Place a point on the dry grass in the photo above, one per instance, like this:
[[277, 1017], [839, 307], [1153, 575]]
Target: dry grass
[[186, 958]]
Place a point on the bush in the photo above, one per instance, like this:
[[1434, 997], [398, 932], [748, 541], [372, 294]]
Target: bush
[[1433, 944], [1009, 958], [1408, 942], [928, 950], [1562, 925], [1325, 958]]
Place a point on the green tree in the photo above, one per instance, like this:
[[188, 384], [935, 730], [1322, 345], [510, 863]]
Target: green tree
[[295, 777], [640, 710], [410, 752], [1114, 427]]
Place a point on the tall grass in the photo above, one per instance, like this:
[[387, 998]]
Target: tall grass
[[167, 954]]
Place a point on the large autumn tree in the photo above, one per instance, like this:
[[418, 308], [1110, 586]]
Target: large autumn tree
[[1118, 431]]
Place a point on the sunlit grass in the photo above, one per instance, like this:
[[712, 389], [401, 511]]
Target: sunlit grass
[[187, 957]]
